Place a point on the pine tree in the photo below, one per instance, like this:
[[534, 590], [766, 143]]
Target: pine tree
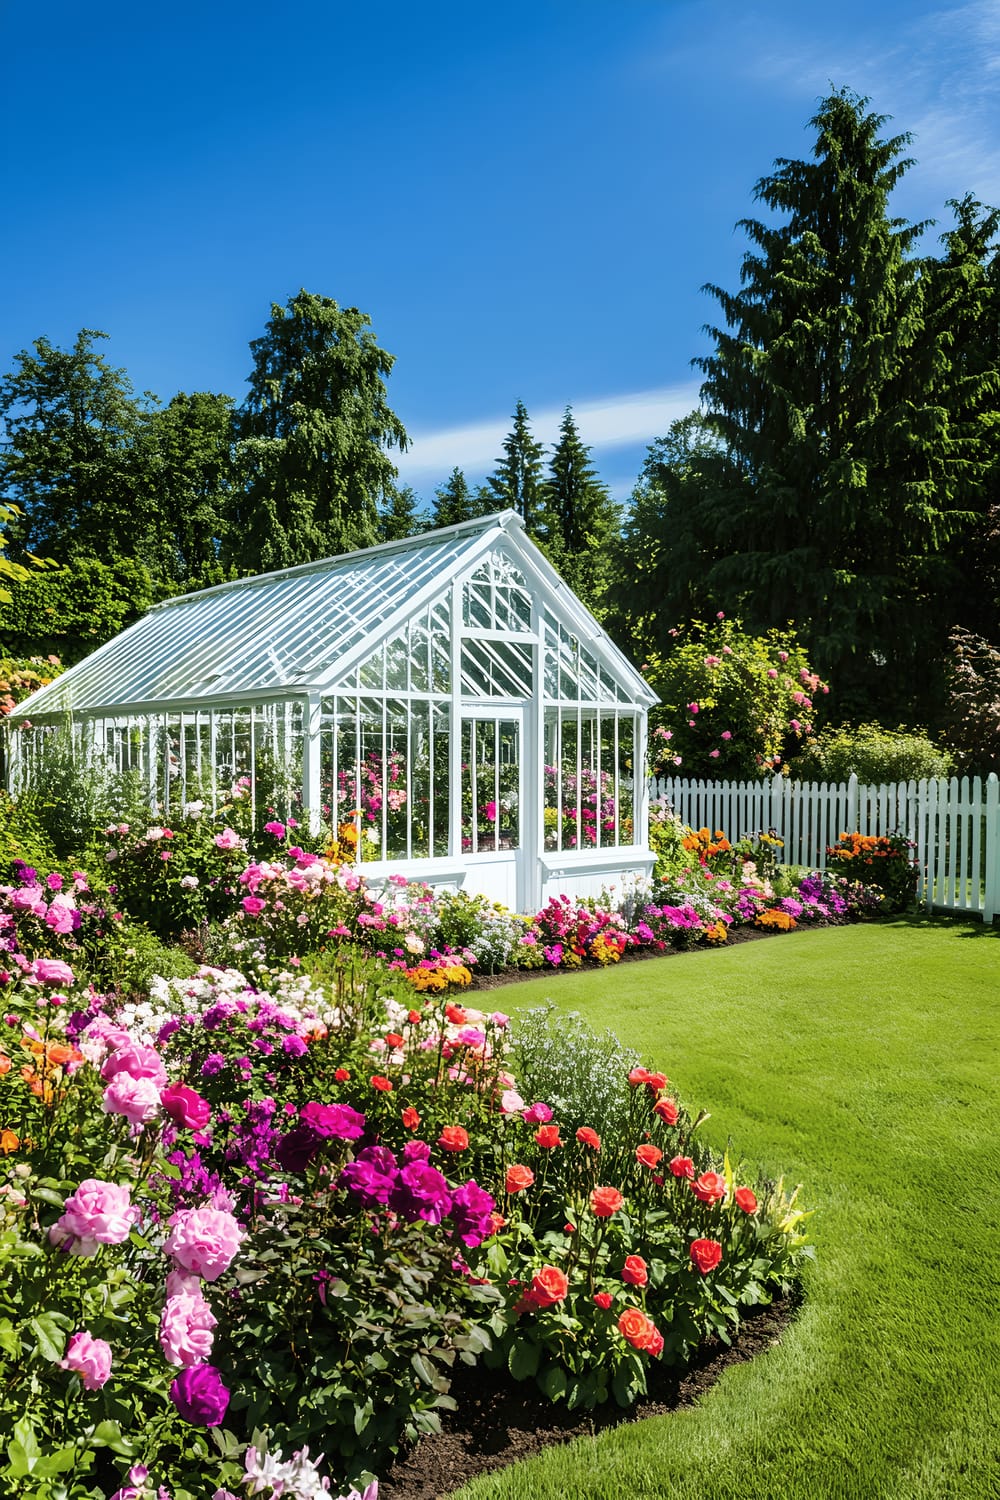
[[452, 502], [401, 516], [516, 483], [582, 522], [840, 499]]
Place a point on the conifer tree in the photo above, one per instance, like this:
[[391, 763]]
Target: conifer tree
[[516, 483], [313, 437], [840, 500], [582, 522], [452, 502], [401, 516]]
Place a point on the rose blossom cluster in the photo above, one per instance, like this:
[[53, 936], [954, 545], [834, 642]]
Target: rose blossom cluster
[[411, 1188], [202, 1243]]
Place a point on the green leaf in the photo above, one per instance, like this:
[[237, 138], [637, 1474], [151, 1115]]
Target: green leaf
[[553, 1382], [50, 1337], [523, 1359], [423, 1368]]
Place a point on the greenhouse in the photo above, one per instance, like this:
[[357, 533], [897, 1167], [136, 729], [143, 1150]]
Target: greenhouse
[[445, 702]]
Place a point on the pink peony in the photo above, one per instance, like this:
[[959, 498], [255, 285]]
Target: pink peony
[[186, 1325], [52, 971], [138, 1099], [183, 1284], [185, 1106], [203, 1240], [59, 918], [89, 1358], [137, 1061], [98, 1213]]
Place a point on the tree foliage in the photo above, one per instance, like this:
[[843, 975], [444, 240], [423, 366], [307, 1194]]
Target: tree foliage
[[517, 482], [311, 459], [582, 522]]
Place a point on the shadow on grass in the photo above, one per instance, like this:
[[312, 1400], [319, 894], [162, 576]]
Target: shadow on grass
[[966, 926]]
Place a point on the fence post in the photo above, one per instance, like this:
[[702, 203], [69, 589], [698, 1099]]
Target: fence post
[[852, 804], [991, 903]]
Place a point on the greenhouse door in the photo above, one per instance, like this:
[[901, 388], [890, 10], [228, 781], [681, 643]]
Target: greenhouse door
[[492, 805]]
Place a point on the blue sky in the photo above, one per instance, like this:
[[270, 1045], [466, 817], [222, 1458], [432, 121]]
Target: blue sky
[[526, 198]]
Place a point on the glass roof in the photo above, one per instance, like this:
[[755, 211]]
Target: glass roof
[[302, 628]]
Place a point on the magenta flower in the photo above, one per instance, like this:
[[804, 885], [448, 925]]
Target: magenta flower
[[186, 1107], [137, 1061], [200, 1396], [278, 829], [52, 971]]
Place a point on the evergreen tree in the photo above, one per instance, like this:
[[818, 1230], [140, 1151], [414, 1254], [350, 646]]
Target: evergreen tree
[[453, 502], [401, 516], [582, 522], [312, 438], [516, 484], [78, 462], [841, 494], [192, 441]]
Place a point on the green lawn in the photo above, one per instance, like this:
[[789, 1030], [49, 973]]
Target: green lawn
[[863, 1063]]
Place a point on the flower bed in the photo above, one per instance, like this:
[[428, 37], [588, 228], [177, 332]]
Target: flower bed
[[260, 1213]]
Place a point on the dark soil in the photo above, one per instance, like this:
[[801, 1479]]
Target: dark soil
[[500, 1420]]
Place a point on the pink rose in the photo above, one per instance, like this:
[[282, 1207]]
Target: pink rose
[[138, 1099], [185, 1106], [183, 1284], [89, 1358], [227, 839], [511, 1102], [537, 1114], [59, 918], [203, 1240], [186, 1324], [253, 905], [137, 1061], [52, 971], [98, 1213]]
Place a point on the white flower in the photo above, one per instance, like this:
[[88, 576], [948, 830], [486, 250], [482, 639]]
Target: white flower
[[189, 882], [263, 1469]]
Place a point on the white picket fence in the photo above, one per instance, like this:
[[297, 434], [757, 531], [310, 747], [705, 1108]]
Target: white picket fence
[[954, 824]]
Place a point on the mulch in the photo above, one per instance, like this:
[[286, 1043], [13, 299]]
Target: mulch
[[500, 1420]]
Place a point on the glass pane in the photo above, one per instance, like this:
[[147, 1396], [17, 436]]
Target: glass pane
[[490, 785], [626, 782], [371, 672], [496, 669], [420, 811], [441, 626], [440, 780], [397, 661], [420, 655]]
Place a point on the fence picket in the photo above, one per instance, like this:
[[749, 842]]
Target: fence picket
[[954, 826]]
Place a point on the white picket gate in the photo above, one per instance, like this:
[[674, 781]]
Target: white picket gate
[[954, 824]]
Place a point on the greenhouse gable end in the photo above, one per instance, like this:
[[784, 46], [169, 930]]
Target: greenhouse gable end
[[445, 701]]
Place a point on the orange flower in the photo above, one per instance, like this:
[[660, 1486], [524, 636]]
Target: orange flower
[[648, 1155], [547, 1136], [606, 1201], [588, 1137], [382, 1084], [453, 1138], [666, 1110], [410, 1117], [636, 1328], [8, 1141], [519, 1178]]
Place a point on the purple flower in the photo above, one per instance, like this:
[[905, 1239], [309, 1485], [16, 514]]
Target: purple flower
[[200, 1396], [294, 1046], [417, 1151], [297, 1148], [471, 1213], [214, 1063], [371, 1176]]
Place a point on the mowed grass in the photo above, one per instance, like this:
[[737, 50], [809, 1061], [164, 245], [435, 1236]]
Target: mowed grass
[[863, 1063]]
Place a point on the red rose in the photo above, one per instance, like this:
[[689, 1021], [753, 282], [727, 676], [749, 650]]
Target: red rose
[[746, 1200], [588, 1137], [342, 1075], [637, 1076], [706, 1254], [648, 1155], [682, 1166], [606, 1201], [634, 1271], [411, 1117], [603, 1300], [413, 1017], [656, 1081], [667, 1110], [636, 1328], [456, 1015], [453, 1138], [548, 1286], [393, 1039], [548, 1136], [709, 1188], [382, 1084], [519, 1178]]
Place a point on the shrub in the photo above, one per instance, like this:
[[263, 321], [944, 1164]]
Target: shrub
[[732, 704], [873, 754], [974, 701]]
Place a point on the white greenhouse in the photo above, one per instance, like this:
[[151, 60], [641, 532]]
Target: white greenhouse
[[448, 696]]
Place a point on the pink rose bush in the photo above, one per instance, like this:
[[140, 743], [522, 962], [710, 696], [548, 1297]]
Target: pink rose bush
[[98, 1213], [203, 1241], [89, 1358]]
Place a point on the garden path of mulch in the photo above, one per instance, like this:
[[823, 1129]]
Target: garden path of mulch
[[500, 1420]]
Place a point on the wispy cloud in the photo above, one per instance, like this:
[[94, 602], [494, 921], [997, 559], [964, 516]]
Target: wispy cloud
[[605, 424]]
